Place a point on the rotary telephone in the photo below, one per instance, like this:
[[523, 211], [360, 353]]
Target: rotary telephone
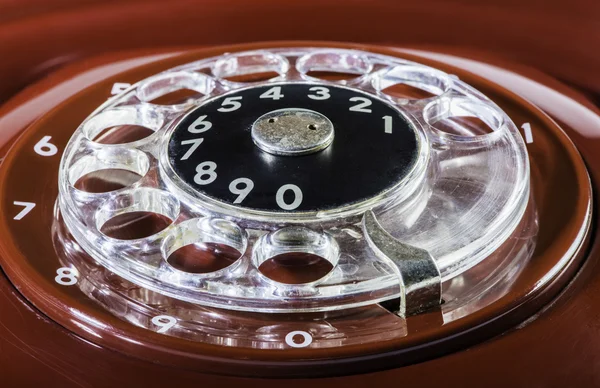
[[311, 193]]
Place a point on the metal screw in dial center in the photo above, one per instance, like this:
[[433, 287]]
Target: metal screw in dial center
[[292, 131]]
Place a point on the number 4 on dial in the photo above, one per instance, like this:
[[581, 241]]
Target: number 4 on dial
[[274, 93]]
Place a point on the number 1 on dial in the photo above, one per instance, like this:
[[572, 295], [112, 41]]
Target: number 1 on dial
[[387, 121]]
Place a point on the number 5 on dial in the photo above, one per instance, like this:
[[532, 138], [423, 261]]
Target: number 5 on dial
[[230, 104]]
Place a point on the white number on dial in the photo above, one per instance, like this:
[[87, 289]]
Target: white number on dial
[[44, 147], [321, 93], [205, 173], [297, 197], [387, 121], [66, 276], [306, 339], [242, 192], [274, 93], [28, 206], [200, 125], [195, 144], [230, 104], [362, 105], [165, 322]]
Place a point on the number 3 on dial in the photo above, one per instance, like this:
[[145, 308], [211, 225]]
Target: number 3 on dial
[[321, 93]]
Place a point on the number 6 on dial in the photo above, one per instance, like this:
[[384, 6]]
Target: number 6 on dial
[[200, 125]]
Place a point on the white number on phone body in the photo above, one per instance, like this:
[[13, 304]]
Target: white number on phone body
[[119, 87], [44, 147], [66, 276], [27, 207], [306, 339], [527, 132], [164, 322]]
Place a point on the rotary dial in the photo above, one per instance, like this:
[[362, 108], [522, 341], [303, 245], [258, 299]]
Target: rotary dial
[[299, 169], [293, 147]]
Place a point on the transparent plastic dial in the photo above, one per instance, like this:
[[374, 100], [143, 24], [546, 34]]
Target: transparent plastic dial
[[462, 194]]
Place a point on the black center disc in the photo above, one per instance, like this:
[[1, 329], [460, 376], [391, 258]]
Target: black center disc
[[374, 147]]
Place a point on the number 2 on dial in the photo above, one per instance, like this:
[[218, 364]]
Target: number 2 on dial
[[362, 105]]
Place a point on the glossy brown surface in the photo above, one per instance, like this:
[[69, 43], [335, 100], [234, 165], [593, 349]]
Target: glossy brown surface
[[555, 347], [135, 225], [203, 258], [296, 268], [565, 191], [41, 35]]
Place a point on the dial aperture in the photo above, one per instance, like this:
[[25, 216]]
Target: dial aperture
[[238, 148]]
